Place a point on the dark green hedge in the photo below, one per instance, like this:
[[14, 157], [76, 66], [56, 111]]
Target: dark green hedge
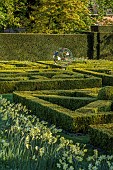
[[106, 45], [90, 92], [13, 78], [102, 136], [71, 103], [46, 111], [72, 121], [56, 84], [107, 80], [100, 42], [106, 93], [101, 29], [60, 74], [96, 107], [39, 47]]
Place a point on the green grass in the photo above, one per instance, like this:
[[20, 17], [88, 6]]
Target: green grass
[[8, 96], [77, 137]]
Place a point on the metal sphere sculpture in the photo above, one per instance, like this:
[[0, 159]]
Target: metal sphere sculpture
[[63, 57]]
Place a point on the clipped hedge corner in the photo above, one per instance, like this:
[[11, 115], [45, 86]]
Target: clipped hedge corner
[[102, 136], [106, 93]]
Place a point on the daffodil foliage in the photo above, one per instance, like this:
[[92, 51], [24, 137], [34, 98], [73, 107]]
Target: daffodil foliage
[[60, 17], [27, 144]]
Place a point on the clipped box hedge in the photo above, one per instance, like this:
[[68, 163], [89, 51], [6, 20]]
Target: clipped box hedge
[[13, 78], [87, 92], [40, 47], [106, 93], [97, 107], [50, 112], [102, 136], [71, 103], [61, 74], [106, 45], [102, 28], [72, 121], [107, 80], [55, 84]]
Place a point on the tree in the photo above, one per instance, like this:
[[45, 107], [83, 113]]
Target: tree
[[59, 17], [51, 16], [12, 13], [102, 6]]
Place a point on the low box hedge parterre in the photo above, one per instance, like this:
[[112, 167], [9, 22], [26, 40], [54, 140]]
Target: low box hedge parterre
[[107, 80], [38, 84], [68, 102], [72, 121]]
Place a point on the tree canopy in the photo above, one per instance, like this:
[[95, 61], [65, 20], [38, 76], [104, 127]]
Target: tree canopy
[[50, 16], [102, 6], [12, 13], [56, 16]]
